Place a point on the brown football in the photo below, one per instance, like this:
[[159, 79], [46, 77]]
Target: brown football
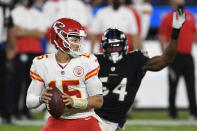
[[56, 105]]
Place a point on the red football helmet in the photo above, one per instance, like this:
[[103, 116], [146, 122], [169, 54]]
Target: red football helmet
[[64, 28]]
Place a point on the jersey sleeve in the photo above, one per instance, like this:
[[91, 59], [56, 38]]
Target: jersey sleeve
[[93, 83], [33, 93], [94, 86], [34, 71], [93, 67]]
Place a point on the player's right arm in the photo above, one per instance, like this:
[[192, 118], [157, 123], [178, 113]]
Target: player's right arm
[[94, 86], [33, 94], [159, 62], [36, 94]]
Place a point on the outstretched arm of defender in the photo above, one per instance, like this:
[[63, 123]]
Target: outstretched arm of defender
[[159, 62]]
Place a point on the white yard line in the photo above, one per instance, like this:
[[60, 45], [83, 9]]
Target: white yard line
[[30, 122]]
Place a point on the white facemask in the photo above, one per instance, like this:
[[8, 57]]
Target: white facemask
[[115, 57]]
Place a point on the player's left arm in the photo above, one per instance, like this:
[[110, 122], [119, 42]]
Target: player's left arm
[[94, 89], [159, 62], [36, 87], [94, 85]]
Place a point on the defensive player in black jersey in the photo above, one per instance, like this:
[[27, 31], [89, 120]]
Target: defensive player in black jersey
[[121, 72]]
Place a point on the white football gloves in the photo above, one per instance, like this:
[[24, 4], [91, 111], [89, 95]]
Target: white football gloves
[[178, 18]]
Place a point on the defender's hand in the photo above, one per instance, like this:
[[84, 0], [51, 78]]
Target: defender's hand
[[178, 18]]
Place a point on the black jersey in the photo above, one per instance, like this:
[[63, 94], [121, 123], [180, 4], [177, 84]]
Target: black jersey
[[121, 82]]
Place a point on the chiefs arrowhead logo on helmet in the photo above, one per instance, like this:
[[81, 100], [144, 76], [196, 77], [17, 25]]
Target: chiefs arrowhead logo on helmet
[[61, 30], [58, 25]]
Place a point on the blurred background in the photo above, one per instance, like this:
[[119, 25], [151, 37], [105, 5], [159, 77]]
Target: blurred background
[[29, 21]]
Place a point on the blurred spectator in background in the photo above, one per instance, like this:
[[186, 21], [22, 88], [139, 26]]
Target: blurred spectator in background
[[94, 3], [115, 15], [51, 11], [79, 10], [5, 48], [183, 64], [128, 4], [76, 9], [144, 8], [30, 27], [38, 4]]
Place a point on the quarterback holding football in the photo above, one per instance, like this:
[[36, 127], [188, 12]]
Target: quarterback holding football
[[73, 74]]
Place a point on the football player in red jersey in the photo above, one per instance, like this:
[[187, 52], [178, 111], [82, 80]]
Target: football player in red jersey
[[73, 73], [121, 72]]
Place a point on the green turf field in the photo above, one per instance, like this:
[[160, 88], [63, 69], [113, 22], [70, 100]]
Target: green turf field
[[19, 128], [141, 118]]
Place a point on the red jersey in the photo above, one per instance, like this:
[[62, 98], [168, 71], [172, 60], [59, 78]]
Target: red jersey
[[28, 45], [186, 35]]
